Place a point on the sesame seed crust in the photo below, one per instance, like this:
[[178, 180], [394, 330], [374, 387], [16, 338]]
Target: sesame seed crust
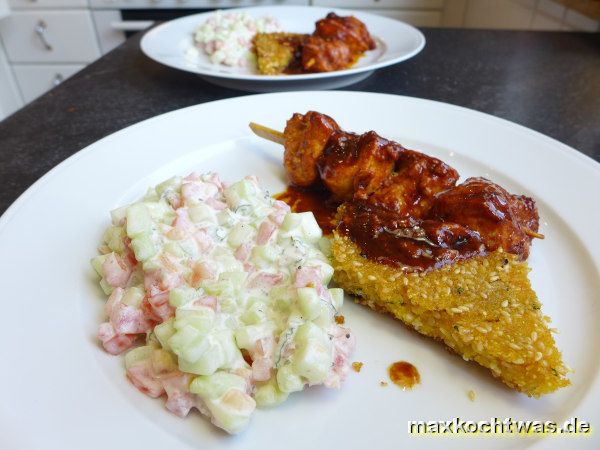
[[487, 315]]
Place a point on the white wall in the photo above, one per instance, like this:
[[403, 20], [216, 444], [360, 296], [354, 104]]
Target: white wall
[[524, 15], [496, 14]]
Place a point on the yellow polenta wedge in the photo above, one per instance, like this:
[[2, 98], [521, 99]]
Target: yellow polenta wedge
[[483, 308], [276, 51]]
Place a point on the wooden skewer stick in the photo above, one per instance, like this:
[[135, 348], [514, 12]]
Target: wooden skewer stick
[[267, 133], [533, 234]]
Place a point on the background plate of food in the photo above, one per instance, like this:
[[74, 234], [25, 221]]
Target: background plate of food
[[236, 48], [61, 379]]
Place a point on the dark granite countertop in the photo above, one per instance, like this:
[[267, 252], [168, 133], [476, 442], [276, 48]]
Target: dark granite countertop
[[547, 81]]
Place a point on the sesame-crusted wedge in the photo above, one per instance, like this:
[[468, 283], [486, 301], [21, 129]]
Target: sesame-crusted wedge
[[275, 52], [483, 308]]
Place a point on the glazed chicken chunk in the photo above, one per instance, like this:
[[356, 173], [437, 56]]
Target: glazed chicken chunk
[[321, 55], [355, 166], [305, 139], [347, 29], [410, 190], [503, 220]]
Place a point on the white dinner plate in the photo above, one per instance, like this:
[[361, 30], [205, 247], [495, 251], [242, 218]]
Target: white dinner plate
[[170, 44], [60, 390]]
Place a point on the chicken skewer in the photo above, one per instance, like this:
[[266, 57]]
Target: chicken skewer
[[380, 178]]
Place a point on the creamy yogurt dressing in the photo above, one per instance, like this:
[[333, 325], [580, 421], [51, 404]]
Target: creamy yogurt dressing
[[229, 290]]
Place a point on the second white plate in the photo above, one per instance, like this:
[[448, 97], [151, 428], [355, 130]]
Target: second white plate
[[170, 42]]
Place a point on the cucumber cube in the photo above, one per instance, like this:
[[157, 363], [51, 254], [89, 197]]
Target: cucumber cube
[[200, 318], [325, 269], [242, 192], [310, 228], [210, 360], [97, 262], [114, 238], [268, 394], [337, 297], [324, 245], [106, 288], [240, 234], [283, 297], [163, 361], [232, 412], [195, 350], [215, 385], [309, 303], [264, 255], [181, 295], [255, 314], [288, 380], [291, 221], [247, 336], [309, 333], [231, 353], [139, 220], [164, 332], [118, 216], [143, 247], [182, 338], [313, 361]]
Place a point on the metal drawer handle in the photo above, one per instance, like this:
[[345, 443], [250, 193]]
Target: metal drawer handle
[[40, 30], [58, 78]]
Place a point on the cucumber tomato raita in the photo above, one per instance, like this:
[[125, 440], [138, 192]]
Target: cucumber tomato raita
[[218, 297]]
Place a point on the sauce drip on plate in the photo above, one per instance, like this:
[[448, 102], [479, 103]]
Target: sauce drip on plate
[[404, 374]]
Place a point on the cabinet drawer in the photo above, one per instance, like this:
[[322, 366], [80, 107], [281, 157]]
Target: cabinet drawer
[[46, 4], [49, 36], [396, 4], [10, 100], [35, 80]]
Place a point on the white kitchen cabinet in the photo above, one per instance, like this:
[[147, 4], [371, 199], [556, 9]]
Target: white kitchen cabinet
[[47, 4], [109, 36], [10, 100], [50, 36], [35, 80]]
